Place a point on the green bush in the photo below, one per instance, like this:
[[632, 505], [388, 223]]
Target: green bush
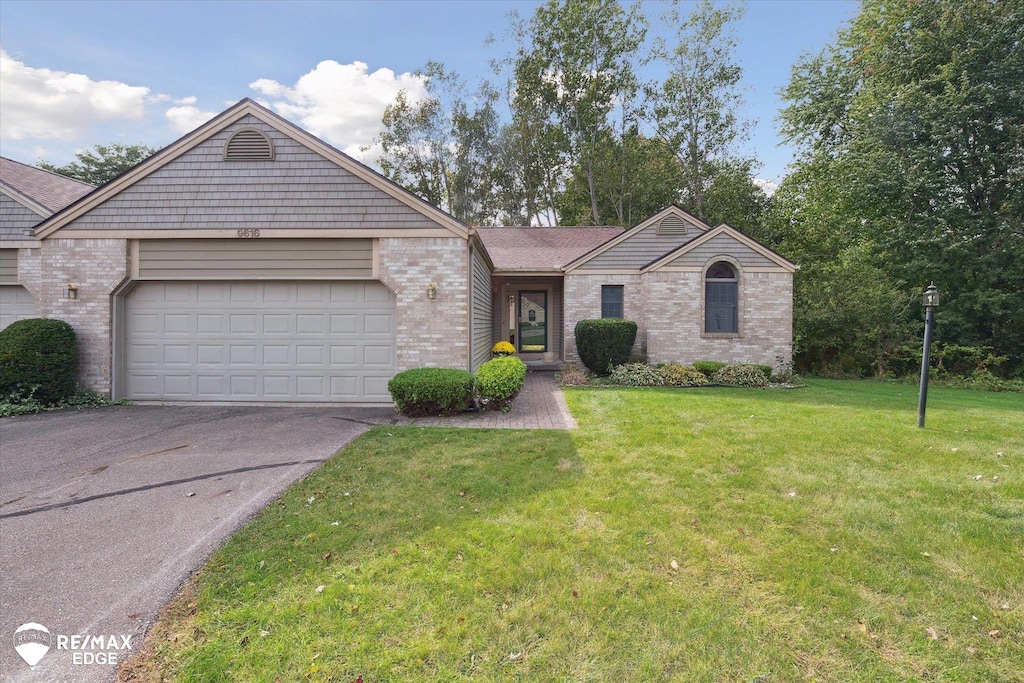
[[38, 358], [431, 391], [766, 370], [741, 375], [604, 343], [636, 375], [499, 381], [682, 376], [708, 367]]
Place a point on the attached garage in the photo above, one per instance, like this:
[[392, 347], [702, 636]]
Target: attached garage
[[259, 341], [15, 301]]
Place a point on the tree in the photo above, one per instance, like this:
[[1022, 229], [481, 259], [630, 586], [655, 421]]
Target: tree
[[102, 164], [912, 125], [695, 110]]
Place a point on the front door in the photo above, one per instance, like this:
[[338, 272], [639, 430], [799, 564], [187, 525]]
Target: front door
[[533, 322]]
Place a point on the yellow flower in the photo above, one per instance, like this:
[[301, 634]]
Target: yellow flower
[[503, 348]]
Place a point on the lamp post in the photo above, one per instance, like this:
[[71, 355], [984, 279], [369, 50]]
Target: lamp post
[[931, 302]]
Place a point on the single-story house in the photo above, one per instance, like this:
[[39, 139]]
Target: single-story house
[[251, 261]]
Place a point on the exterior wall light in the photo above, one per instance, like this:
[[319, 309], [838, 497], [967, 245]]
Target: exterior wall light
[[431, 291], [71, 292], [931, 302]]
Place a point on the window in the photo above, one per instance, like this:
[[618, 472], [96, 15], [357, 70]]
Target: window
[[611, 301], [721, 299]]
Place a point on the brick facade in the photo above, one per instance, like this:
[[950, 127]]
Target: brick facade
[[431, 332], [583, 302]]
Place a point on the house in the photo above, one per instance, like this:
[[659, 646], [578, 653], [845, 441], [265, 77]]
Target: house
[[251, 261], [27, 195]]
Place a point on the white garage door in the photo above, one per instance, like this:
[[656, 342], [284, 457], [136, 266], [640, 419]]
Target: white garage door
[[251, 341], [15, 304]]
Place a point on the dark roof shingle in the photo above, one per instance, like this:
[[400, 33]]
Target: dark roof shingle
[[541, 249], [51, 191]]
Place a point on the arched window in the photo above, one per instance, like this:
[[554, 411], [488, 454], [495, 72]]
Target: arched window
[[721, 299]]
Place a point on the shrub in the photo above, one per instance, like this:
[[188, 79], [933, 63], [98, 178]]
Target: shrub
[[708, 367], [636, 375], [604, 343], [503, 348], [741, 375], [431, 391], [499, 381], [682, 376], [38, 357], [766, 370], [572, 376]]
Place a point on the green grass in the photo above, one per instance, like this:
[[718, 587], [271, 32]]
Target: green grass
[[688, 535]]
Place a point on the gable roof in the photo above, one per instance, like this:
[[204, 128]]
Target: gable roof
[[535, 249], [43, 192], [672, 210], [248, 107], [723, 229]]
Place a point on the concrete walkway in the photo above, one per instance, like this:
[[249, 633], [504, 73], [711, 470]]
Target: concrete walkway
[[540, 405]]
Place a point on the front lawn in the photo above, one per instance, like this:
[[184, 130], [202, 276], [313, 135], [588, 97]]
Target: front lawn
[[689, 535]]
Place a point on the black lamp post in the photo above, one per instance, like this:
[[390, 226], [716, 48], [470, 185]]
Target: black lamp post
[[931, 302]]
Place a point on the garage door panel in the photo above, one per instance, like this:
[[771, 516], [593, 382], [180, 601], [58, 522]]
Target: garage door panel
[[260, 341]]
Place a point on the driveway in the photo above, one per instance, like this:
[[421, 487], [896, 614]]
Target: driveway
[[105, 512]]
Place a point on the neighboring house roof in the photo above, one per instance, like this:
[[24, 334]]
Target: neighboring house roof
[[42, 191], [444, 223], [533, 249]]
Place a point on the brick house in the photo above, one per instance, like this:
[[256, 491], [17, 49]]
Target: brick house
[[251, 261]]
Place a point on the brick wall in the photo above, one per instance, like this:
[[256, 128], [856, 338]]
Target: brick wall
[[97, 266], [583, 302], [675, 315], [431, 333]]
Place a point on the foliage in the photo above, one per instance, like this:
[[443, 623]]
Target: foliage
[[573, 376], [742, 375], [101, 164], [499, 381], [603, 343], [421, 392], [670, 508], [708, 367], [503, 348], [966, 360], [636, 375], [25, 403], [982, 380], [912, 129], [682, 376], [38, 359]]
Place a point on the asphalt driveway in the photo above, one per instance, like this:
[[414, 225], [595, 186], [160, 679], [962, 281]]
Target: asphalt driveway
[[105, 512]]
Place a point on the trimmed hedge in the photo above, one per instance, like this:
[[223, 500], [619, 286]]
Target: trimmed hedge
[[605, 343], [708, 367], [38, 358], [422, 392], [499, 381]]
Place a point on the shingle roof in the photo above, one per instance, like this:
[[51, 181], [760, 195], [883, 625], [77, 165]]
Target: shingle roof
[[51, 191], [541, 249]]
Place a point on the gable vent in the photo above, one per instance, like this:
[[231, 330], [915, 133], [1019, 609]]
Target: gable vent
[[248, 144], [672, 225]]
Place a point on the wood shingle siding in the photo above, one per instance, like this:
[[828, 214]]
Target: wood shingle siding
[[15, 219], [299, 189], [639, 250], [718, 245], [481, 312], [206, 259]]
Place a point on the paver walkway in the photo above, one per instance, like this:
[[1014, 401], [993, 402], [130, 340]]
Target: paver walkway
[[540, 405]]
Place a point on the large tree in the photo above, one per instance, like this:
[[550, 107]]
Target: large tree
[[912, 129], [101, 164]]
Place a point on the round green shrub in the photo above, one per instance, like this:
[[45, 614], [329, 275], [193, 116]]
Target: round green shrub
[[499, 381], [682, 376], [38, 358], [708, 367], [741, 375], [604, 343], [636, 375], [431, 391]]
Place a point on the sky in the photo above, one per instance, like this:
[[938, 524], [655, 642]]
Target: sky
[[77, 74]]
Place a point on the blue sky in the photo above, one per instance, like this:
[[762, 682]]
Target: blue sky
[[76, 74]]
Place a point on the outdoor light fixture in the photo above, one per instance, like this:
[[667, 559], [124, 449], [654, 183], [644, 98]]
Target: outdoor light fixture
[[931, 302], [431, 291], [71, 292]]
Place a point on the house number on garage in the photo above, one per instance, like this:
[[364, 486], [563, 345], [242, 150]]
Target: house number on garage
[[249, 232]]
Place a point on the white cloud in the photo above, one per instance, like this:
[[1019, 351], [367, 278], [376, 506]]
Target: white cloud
[[767, 186], [186, 116], [342, 103], [41, 103]]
